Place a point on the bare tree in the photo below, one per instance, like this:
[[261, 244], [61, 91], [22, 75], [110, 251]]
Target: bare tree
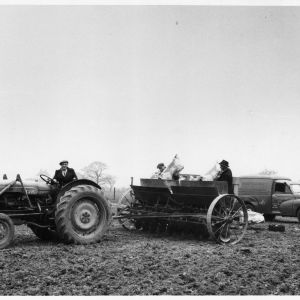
[[110, 181], [95, 171]]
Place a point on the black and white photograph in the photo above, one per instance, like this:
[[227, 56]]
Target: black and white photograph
[[149, 148]]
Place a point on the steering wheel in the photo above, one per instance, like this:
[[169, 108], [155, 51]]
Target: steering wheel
[[47, 179]]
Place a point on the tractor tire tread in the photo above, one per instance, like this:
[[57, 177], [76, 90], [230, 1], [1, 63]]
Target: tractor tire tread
[[63, 206]]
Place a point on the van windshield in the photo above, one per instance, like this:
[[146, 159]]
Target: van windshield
[[295, 188]]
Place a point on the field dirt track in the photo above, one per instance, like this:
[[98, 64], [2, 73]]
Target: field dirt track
[[138, 263]]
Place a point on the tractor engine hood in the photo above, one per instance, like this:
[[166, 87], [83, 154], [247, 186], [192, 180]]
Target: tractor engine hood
[[32, 187]]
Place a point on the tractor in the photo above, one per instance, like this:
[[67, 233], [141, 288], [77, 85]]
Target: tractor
[[75, 213], [79, 213]]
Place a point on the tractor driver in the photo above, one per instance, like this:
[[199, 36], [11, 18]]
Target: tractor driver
[[64, 175]]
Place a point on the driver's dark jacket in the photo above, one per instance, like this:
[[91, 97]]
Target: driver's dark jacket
[[226, 175], [63, 180]]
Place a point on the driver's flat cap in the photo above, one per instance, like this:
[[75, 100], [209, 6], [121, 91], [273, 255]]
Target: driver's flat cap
[[63, 162]]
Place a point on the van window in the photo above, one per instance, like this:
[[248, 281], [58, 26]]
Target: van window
[[281, 187]]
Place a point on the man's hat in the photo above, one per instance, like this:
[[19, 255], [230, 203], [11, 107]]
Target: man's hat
[[224, 163], [160, 165], [63, 162]]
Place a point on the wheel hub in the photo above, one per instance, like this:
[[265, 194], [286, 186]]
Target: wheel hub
[[228, 219], [86, 215]]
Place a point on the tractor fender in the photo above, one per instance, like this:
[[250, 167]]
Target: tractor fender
[[72, 184]]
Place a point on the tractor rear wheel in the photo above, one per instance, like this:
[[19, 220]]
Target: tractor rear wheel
[[82, 215], [45, 234], [7, 230]]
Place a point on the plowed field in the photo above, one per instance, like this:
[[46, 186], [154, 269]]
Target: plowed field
[[138, 263]]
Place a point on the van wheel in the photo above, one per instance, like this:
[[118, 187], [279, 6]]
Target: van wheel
[[269, 218]]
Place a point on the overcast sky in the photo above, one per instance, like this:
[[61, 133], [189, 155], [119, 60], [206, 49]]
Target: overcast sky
[[131, 86]]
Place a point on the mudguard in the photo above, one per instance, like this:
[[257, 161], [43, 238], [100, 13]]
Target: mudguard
[[70, 185], [290, 207]]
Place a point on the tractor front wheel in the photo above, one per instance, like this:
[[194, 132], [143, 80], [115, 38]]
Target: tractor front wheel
[[82, 215], [7, 231]]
